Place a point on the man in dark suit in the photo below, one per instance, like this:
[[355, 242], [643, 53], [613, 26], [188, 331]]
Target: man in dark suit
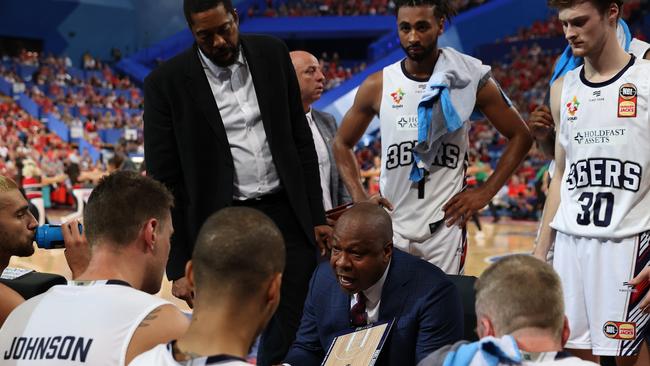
[[369, 281], [224, 126], [322, 126]]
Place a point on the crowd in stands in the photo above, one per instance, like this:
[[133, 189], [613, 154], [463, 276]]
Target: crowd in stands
[[337, 71], [294, 8], [38, 157]]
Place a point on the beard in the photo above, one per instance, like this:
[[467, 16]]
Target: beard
[[426, 52], [225, 56], [15, 247]]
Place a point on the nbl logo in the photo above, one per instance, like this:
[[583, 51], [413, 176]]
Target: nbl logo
[[620, 330], [627, 100]]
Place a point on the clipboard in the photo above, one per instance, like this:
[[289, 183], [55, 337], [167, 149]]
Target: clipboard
[[359, 347]]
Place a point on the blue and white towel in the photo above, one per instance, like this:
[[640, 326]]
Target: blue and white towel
[[488, 351], [446, 104]]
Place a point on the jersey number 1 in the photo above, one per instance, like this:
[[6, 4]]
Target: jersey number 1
[[594, 203]]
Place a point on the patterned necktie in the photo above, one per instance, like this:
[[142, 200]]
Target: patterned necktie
[[358, 316]]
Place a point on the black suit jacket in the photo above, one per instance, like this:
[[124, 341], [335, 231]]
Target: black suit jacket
[[186, 146], [425, 305]]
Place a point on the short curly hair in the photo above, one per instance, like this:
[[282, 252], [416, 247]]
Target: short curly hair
[[443, 9]]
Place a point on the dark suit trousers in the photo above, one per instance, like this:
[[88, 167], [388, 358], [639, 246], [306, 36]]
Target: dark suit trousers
[[300, 264]]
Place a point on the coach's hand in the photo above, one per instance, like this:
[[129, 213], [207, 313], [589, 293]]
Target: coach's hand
[[181, 288], [323, 233], [463, 205], [541, 123], [77, 250], [377, 199], [641, 282]]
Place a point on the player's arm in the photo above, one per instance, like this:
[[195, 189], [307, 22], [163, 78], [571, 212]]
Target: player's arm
[[546, 233], [354, 124], [9, 300], [509, 123], [542, 128], [162, 325]]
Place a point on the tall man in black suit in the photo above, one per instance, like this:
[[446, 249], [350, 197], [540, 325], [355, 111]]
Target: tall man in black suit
[[322, 126], [224, 126]]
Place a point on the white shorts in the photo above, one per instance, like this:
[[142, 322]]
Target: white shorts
[[446, 248], [603, 310]]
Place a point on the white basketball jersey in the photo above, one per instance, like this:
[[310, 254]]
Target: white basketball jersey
[[161, 355], [418, 206], [82, 323], [605, 129], [639, 48]]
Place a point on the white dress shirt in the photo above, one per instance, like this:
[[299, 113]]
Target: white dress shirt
[[324, 166], [232, 87], [373, 297]]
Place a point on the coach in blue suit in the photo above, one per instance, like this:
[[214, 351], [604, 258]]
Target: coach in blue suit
[[365, 268]]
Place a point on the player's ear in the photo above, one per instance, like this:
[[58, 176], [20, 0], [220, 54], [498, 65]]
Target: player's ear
[[484, 327], [613, 13], [566, 331]]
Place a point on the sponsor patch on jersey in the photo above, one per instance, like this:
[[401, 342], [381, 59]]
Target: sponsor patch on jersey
[[600, 136], [407, 122], [627, 101], [620, 330], [572, 108], [398, 96]]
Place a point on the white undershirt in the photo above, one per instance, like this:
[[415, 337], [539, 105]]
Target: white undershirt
[[324, 166], [373, 297], [232, 87]]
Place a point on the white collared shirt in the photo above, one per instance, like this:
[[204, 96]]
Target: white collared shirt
[[232, 87], [324, 166], [373, 297]]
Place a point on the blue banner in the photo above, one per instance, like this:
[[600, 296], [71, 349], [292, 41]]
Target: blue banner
[[84, 145], [59, 127], [29, 105], [111, 135], [6, 87]]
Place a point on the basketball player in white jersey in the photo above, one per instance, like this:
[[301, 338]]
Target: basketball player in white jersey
[[236, 270], [107, 315], [17, 229], [429, 216], [597, 206], [541, 122]]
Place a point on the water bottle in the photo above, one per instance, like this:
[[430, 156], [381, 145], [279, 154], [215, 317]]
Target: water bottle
[[50, 236]]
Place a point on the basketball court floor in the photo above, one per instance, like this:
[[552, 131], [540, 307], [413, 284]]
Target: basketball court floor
[[495, 240]]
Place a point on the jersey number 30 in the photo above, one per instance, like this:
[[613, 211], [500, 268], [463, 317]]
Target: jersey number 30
[[599, 205]]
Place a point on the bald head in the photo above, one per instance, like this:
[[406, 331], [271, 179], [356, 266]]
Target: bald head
[[310, 77], [369, 221], [361, 246]]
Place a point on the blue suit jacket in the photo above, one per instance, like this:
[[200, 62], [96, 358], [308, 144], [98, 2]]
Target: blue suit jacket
[[425, 304]]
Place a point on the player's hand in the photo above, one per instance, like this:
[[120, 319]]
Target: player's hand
[[641, 282], [541, 123], [182, 289], [77, 250], [323, 233], [463, 205], [377, 199]]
